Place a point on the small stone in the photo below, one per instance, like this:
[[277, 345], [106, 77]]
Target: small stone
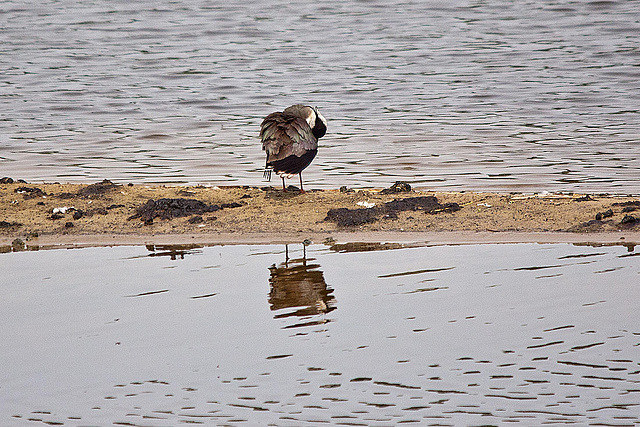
[[68, 224], [629, 219]]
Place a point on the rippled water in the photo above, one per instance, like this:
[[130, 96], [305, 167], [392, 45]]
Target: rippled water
[[263, 335], [497, 95]]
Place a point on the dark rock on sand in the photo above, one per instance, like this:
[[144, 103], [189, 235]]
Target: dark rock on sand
[[174, 208], [629, 219], [585, 198], [398, 187], [97, 189], [6, 180], [426, 203], [606, 214], [30, 192], [78, 214], [344, 217]]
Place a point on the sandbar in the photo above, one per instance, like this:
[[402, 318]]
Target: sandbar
[[108, 213]]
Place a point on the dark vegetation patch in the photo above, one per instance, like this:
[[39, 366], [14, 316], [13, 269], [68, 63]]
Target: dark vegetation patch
[[345, 217], [174, 208]]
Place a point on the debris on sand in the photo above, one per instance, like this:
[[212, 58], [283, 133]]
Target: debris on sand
[[398, 187], [606, 221], [97, 189], [174, 208], [30, 192], [344, 217], [63, 209]]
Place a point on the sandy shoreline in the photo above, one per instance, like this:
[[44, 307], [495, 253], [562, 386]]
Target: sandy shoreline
[[104, 214], [403, 238]]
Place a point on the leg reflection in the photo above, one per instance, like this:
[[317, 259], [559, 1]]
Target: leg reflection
[[298, 289]]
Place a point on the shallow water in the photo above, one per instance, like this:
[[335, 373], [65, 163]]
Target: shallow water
[[254, 335], [496, 95]]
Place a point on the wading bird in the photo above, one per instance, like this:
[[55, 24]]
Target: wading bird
[[290, 139]]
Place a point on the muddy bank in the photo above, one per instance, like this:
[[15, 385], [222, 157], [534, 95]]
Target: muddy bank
[[29, 210]]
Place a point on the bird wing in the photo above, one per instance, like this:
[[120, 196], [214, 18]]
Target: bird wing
[[284, 135]]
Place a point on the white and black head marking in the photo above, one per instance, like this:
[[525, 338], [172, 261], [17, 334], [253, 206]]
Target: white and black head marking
[[290, 140], [319, 124]]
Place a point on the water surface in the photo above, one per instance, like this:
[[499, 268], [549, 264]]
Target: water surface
[[263, 335], [478, 95]]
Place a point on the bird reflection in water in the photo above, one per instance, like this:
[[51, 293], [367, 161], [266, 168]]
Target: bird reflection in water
[[298, 289]]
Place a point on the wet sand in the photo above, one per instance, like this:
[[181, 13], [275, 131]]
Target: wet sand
[[106, 213]]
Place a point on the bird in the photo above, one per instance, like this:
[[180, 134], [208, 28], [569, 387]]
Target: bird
[[290, 140]]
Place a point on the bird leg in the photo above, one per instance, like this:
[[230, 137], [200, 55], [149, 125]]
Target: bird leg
[[301, 189], [284, 188]]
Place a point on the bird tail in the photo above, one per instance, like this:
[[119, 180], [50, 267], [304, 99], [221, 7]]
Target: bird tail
[[267, 173]]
